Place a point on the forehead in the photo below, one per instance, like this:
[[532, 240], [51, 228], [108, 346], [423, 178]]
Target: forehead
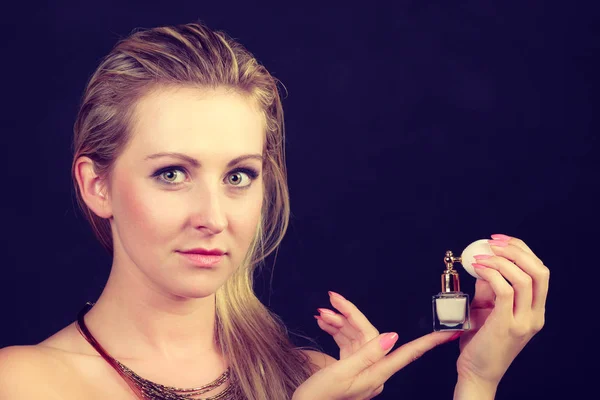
[[197, 121]]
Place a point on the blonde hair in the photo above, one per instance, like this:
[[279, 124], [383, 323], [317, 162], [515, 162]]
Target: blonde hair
[[254, 340]]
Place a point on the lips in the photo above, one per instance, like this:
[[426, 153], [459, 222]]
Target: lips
[[212, 252], [202, 260]]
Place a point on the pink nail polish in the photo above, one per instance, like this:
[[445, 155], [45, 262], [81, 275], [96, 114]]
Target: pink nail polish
[[325, 311], [499, 243], [499, 236], [475, 265], [388, 340], [482, 256], [455, 336], [336, 295]]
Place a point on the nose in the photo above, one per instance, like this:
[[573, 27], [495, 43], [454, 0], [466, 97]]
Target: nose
[[208, 210]]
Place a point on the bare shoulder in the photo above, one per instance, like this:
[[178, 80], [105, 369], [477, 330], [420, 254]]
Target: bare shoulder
[[43, 370], [20, 366], [318, 359], [17, 359]]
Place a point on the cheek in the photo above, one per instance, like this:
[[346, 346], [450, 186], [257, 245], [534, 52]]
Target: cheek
[[142, 215], [244, 219]]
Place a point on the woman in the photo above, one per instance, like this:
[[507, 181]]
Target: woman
[[179, 167]]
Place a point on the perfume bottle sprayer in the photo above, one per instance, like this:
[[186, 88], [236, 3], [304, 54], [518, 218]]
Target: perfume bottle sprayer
[[451, 308]]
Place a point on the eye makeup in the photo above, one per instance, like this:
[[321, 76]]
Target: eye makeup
[[252, 173]]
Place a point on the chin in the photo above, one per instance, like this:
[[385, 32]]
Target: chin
[[191, 293], [198, 291]]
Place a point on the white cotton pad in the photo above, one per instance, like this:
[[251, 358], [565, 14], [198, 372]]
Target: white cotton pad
[[478, 247]]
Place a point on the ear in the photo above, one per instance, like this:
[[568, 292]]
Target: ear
[[93, 188]]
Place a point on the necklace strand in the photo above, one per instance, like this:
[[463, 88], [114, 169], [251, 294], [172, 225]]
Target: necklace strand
[[155, 391]]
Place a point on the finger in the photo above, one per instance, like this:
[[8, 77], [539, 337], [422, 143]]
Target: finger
[[516, 242], [346, 337], [354, 316], [407, 353], [532, 265], [521, 282], [340, 339], [332, 317], [478, 317], [504, 302], [367, 355], [342, 323], [484, 295]]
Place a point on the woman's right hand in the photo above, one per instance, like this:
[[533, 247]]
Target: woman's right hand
[[362, 374]]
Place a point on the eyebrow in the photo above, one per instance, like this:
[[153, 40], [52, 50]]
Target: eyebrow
[[195, 163]]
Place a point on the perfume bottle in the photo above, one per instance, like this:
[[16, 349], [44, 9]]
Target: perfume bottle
[[451, 306]]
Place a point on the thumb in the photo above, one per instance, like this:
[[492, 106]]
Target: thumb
[[484, 295], [368, 354]]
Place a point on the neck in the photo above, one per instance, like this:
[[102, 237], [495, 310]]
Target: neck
[[134, 321]]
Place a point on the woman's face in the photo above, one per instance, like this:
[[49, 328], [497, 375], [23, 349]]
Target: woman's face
[[210, 197]]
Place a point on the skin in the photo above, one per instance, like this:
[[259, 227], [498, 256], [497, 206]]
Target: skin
[[504, 319], [159, 306]]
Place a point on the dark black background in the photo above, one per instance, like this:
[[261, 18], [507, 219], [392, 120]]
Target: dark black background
[[413, 127]]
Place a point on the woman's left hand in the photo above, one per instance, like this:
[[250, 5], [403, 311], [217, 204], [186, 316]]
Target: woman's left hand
[[351, 330], [503, 317]]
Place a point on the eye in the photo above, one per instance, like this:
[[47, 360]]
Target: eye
[[169, 175], [242, 178]]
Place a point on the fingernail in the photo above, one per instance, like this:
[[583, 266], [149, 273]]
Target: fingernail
[[388, 340], [325, 311], [317, 317], [475, 265], [455, 336], [482, 256], [499, 236], [336, 295], [500, 243]]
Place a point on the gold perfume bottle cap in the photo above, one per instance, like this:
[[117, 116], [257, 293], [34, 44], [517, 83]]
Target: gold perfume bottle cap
[[450, 279]]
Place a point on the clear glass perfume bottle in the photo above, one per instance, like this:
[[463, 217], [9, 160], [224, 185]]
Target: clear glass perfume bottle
[[451, 306]]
